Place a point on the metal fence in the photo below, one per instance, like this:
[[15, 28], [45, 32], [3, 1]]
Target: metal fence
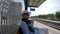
[[10, 16]]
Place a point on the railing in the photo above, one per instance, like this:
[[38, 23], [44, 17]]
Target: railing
[[10, 16]]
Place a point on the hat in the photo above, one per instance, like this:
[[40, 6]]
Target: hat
[[25, 11]]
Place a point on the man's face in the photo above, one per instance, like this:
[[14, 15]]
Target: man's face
[[25, 16]]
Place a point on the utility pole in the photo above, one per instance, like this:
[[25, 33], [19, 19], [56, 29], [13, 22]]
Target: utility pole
[[26, 5]]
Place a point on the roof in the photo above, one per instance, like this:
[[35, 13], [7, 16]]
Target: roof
[[34, 3]]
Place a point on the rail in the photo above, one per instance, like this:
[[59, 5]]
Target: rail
[[51, 23]]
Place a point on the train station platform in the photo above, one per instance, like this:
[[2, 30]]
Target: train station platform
[[50, 29]]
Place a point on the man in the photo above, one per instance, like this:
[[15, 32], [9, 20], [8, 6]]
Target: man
[[25, 27]]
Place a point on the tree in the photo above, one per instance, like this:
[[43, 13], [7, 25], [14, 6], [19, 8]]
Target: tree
[[51, 16], [58, 14]]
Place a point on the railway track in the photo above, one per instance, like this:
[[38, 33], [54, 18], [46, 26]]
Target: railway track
[[52, 24]]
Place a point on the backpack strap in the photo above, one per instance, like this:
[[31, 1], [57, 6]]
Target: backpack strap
[[19, 31]]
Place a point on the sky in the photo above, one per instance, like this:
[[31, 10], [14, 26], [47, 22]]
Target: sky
[[48, 7]]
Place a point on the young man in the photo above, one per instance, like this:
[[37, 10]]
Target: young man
[[25, 27]]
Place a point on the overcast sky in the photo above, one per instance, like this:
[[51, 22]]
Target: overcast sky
[[49, 6]]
